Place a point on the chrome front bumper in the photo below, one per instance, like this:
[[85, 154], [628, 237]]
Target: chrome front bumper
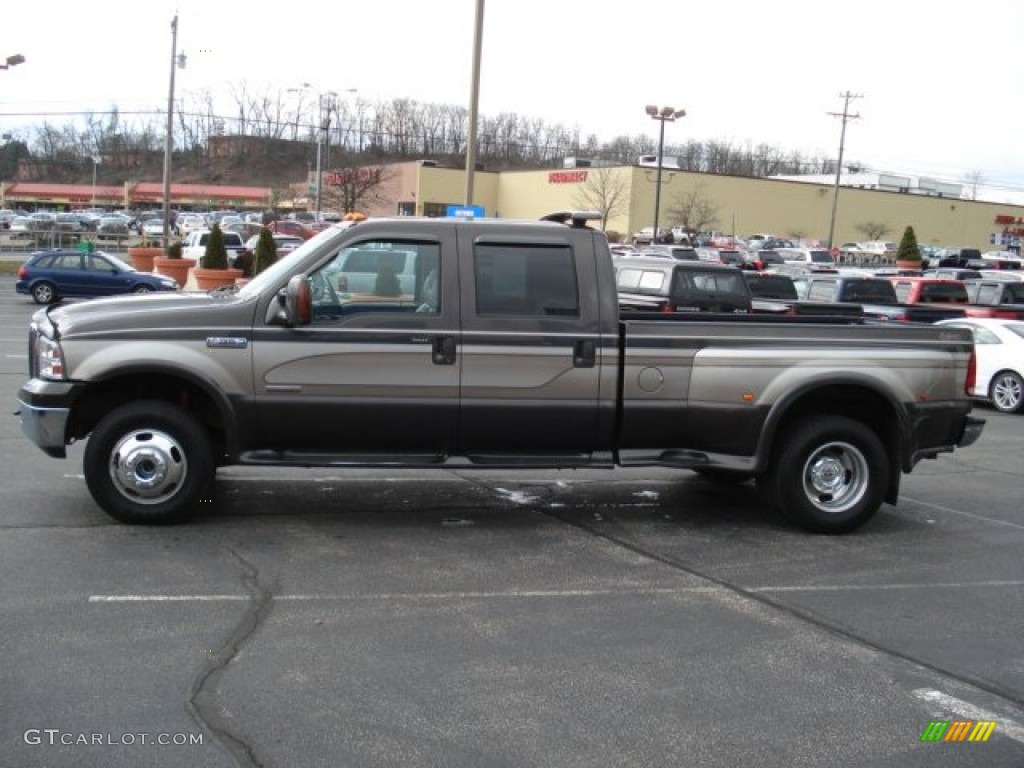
[[46, 427]]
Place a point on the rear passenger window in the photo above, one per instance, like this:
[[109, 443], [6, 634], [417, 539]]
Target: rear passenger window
[[525, 280]]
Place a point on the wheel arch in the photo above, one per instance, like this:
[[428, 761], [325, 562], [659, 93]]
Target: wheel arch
[[869, 405], [184, 389]]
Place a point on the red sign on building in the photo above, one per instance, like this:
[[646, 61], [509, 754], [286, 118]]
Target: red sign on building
[[567, 177]]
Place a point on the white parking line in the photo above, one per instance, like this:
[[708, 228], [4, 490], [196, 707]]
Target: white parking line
[[962, 708], [397, 596], [884, 587], [971, 515]]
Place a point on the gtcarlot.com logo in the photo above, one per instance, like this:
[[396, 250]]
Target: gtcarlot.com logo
[[57, 737], [958, 730]]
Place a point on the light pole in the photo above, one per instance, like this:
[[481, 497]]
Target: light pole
[[13, 61], [323, 132], [95, 162], [474, 100], [179, 62], [662, 115]]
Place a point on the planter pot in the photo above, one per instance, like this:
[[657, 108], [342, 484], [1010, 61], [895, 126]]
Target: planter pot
[[174, 268], [914, 265], [208, 279], [142, 258]]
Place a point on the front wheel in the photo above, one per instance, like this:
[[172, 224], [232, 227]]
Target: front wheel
[[1007, 392], [148, 462], [830, 474]]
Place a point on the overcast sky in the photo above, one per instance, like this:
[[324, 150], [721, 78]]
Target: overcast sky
[[940, 80]]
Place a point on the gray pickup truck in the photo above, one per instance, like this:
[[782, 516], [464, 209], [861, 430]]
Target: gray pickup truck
[[413, 342]]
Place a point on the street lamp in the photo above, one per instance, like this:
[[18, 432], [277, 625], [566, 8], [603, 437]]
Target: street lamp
[[179, 63], [13, 61], [662, 115], [95, 162], [323, 131]]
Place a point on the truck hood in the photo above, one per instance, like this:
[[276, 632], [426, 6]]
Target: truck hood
[[154, 312]]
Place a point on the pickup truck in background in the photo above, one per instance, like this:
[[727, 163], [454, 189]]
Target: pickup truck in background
[[506, 349], [655, 284], [995, 298], [917, 290], [876, 295]]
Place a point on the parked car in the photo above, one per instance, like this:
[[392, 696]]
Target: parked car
[[285, 243], [814, 256], [189, 223], [999, 347], [21, 226], [49, 276], [646, 236], [194, 246], [112, 228], [667, 286], [290, 227], [153, 229], [677, 252]]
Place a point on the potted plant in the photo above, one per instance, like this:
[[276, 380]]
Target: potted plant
[[213, 270], [266, 251], [174, 265], [909, 254]]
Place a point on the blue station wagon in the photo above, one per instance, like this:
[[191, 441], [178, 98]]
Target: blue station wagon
[[49, 276]]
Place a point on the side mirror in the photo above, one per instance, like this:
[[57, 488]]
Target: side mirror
[[294, 303]]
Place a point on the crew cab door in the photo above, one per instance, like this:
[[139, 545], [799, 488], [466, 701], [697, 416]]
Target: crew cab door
[[375, 373], [531, 348]]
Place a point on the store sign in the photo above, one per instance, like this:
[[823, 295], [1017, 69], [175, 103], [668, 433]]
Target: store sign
[[567, 177], [352, 176], [1008, 224]]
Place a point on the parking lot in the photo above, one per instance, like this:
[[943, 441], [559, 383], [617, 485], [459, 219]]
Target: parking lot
[[459, 618]]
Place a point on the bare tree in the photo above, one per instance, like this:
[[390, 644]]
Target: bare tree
[[351, 187], [873, 230], [604, 191], [974, 179], [694, 211]]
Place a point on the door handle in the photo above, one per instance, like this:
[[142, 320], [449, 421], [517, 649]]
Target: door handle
[[584, 354], [443, 350]]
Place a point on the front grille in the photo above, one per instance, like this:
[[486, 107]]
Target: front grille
[[33, 334]]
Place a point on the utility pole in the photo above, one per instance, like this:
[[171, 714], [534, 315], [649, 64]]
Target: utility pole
[[845, 115]]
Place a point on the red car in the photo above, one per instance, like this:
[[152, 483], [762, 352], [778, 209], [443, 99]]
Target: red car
[[296, 228]]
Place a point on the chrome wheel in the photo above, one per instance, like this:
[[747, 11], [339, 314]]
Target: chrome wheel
[[1007, 392], [147, 466], [835, 477], [43, 293]]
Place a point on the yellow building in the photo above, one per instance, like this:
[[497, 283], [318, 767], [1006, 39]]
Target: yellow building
[[744, 205]]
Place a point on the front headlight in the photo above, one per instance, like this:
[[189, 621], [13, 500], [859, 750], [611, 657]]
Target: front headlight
[[48, 359]]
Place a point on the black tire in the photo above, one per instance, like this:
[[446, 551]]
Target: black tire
[[829, 474], [148, 462], [44, 292], [142, 288], [1007, 392]]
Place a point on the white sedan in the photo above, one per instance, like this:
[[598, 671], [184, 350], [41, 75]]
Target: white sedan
[[999, 346]]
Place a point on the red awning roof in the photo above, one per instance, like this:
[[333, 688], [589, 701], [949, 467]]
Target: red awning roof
[[195, 191], [31, 189], [140, 191]]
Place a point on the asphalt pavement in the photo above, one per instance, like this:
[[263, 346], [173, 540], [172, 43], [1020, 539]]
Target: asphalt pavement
[[457, 618]]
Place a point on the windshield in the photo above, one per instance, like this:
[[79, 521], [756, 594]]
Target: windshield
[[276, 272]]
